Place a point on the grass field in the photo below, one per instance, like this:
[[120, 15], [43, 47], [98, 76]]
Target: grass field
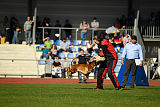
[[77, 95]]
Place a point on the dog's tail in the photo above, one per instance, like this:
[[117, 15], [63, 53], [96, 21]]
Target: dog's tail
[[73, 60]]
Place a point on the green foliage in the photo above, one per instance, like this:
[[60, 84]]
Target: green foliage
[[76, 95]]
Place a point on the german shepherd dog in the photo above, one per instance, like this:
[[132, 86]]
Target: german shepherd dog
[[84, 68]]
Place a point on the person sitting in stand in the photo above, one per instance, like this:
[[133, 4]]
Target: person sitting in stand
[[64, 46], [57, 68], [95, 46], [45, 52], [54, 52], [111, 39], [47, 42], [118, 40], [126, 39], [65, 66], [89, 47]]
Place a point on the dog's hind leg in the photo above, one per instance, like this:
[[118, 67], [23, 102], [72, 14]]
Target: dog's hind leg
[[69, 74]]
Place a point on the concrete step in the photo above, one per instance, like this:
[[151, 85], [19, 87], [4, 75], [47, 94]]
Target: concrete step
[[25, 64]]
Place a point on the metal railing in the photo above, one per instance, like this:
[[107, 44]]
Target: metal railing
[[129, 30]]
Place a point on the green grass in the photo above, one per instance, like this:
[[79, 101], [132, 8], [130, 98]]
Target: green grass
[[78, 95]]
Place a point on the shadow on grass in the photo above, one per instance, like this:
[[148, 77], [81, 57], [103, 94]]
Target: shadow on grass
[[101, 89], [147, 87]]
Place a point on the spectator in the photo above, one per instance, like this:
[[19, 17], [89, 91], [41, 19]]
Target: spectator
[[6, 28], [64, 46], [54, 52], [88, 56], [47, 42], [11, 29], [27, 29], [123, 31], [118, 40], [152, 18], [84, 26], [89, 47], [81, 59], [68, 31], [126, 39], [95, 46], [95, 25], [95, 71], [131, 18], [46, 23], [65, 66], [123, 21], [16, 29], [57, 67], [117, 23], [56, 32], [45, 52]]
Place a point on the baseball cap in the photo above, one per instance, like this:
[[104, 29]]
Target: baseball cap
[[134, 37]]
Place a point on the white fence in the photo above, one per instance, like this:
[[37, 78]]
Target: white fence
[[150, 31]]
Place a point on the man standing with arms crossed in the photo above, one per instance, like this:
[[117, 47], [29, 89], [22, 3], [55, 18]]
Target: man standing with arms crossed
[[132, 51]]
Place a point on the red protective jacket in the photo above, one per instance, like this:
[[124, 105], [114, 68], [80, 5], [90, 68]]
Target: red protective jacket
[[107, 50]]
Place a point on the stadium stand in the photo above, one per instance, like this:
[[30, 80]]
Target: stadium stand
[[58, 42], [75, 43]]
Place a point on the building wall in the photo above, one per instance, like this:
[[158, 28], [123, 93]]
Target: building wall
[[106, 11], [146, 7]]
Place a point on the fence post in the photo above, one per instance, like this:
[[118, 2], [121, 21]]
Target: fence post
[[59, 33], [34, 27], [43, 32], [76, 33], [153, 31], [92, 33]]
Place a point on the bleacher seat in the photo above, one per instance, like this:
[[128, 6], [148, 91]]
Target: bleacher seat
[[77, 54], [84, 48], [70, 56], [41, 44], [49, 61], [38, 49], [52, 41], [83, 43], [69, 42], [58, 42], [42, 62], [119, 56], [121, 50], [75, 43], [73, 49], [62, 55]]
